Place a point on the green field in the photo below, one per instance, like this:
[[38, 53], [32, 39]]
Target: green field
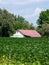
[[24, 51]]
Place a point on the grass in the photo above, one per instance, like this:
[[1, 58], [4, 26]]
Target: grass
[[24, 51]]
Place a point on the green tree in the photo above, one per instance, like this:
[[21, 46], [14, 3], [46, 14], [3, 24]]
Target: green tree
[[21, 23], [7, 29], [9, 23], [43, 18], [6, 23], [45, 28], [43, 23]]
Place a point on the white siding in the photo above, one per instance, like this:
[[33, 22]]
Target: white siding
[[18, 34]]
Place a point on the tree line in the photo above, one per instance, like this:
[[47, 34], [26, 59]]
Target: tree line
[[9, 23], [43, 23]]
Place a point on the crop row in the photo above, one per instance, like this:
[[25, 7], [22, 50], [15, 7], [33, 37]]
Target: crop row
[[24, 50]]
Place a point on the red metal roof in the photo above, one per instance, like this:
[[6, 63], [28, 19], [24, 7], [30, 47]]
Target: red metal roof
[[30, 33]]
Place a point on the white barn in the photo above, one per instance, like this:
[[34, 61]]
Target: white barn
[[26, 33], [17, 34]]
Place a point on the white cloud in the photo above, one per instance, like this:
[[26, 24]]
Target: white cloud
[[27, 11], [19, 2], [33, 14], [32, 17], [26, 2], [37, 11]]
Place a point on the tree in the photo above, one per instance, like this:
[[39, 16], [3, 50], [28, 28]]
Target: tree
[[6, 23], [43, 18], [9, 23], [45, 28], [7, 29], [43, 23], [21, 23]]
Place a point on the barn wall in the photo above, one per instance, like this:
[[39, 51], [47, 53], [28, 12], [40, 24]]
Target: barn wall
[[18, 34]]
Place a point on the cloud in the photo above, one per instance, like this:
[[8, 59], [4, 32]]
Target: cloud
[[32, 17], [33, 14], [19, 2], [29, 9], [37, 11]]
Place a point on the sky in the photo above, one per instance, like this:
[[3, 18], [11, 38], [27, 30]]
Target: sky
[[29, 9]]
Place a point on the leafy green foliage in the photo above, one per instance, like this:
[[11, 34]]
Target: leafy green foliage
[[9, 23], [21, 23], [43, 18], [45, 28], [24, 51], [6, 23], [43, 23]]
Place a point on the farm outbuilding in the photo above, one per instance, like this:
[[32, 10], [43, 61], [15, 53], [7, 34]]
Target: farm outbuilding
[[26, 33]]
